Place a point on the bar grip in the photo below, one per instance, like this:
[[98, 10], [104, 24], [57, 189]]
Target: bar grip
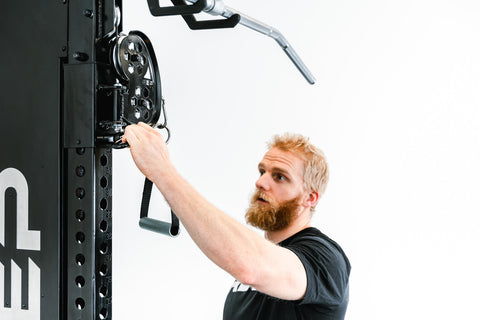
[[158, 226], [195, 24], [157, 11]]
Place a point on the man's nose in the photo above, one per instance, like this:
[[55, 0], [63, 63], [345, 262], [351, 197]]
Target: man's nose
[[263, 183]]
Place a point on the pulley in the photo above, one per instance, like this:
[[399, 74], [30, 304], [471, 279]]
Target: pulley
[[137, 69]]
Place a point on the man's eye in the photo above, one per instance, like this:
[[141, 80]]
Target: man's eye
[[261, 172], [279, 177]]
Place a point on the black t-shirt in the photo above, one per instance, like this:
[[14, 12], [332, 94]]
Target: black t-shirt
[[326, 298]]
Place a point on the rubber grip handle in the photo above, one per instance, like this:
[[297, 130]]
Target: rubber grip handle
[[158, 226]]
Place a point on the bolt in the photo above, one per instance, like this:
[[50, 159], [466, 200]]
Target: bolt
[[88, 13], [80, 56], [80, 215], [80, 171]]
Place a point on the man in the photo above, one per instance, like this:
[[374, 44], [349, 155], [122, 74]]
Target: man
[[295, 272]]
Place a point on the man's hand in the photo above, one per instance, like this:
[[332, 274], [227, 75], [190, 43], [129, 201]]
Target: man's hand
[[148, 149]]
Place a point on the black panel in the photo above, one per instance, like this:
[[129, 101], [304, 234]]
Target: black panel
[[50, 163], [34, 40], [79, 101]]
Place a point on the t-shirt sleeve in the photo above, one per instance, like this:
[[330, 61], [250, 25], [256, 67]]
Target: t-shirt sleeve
[[327, 271]]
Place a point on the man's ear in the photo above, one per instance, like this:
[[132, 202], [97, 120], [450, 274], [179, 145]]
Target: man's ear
[[311, 199]]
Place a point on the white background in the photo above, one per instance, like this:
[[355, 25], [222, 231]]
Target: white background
[[396, 110]]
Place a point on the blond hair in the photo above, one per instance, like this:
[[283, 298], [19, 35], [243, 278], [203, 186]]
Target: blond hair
[[315, 175]]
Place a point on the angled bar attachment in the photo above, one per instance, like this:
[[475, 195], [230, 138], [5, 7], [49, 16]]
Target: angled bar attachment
[[233, 17], [217, 7]]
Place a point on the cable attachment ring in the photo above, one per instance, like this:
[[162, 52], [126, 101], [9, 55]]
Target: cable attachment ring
[[164, 124]]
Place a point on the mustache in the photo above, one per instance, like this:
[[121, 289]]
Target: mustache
[[259, 195]]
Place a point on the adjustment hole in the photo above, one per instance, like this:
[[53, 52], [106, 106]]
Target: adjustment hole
[[103, 313], [80, 281], [103, 160], [103, 248], [103, 204], [103, 226], [80, 236], [80, 171], [80, 259], [103, 182], [80, 193], [80, 215], [103, 270], [80, 303], [103, 291]]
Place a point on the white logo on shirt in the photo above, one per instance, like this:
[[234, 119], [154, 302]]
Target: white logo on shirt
[[240, 287]]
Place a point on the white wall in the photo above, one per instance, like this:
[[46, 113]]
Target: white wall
[[395, 108]]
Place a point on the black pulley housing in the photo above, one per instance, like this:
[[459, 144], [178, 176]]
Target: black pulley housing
[[137, 69]]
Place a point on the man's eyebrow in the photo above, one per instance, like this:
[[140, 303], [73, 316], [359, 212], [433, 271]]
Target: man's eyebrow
[[281, 170], [275, 169]]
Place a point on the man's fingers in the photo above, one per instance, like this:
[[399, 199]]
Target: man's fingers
[[150, 129], [135, 133], [131, 134], [143, 124]]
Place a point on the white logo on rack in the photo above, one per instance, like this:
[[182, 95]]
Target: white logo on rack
[[26, 240]]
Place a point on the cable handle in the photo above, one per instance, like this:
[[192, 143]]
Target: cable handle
[[171, 229]]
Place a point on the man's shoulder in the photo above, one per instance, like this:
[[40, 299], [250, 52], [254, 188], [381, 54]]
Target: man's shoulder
[[313, 240], [307, 234]]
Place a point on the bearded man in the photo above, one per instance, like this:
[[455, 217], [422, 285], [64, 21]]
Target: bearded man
[[295, 271]]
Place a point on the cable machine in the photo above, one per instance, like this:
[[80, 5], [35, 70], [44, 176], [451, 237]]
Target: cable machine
[[72, 81]]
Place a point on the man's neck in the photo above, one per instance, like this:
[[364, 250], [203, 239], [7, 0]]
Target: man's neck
[[296, 226]]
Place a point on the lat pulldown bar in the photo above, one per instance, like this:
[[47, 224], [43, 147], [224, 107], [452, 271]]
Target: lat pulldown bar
[[233, 17]]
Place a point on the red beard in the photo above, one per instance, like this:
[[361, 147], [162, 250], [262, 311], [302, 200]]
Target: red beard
[[271, 216]]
